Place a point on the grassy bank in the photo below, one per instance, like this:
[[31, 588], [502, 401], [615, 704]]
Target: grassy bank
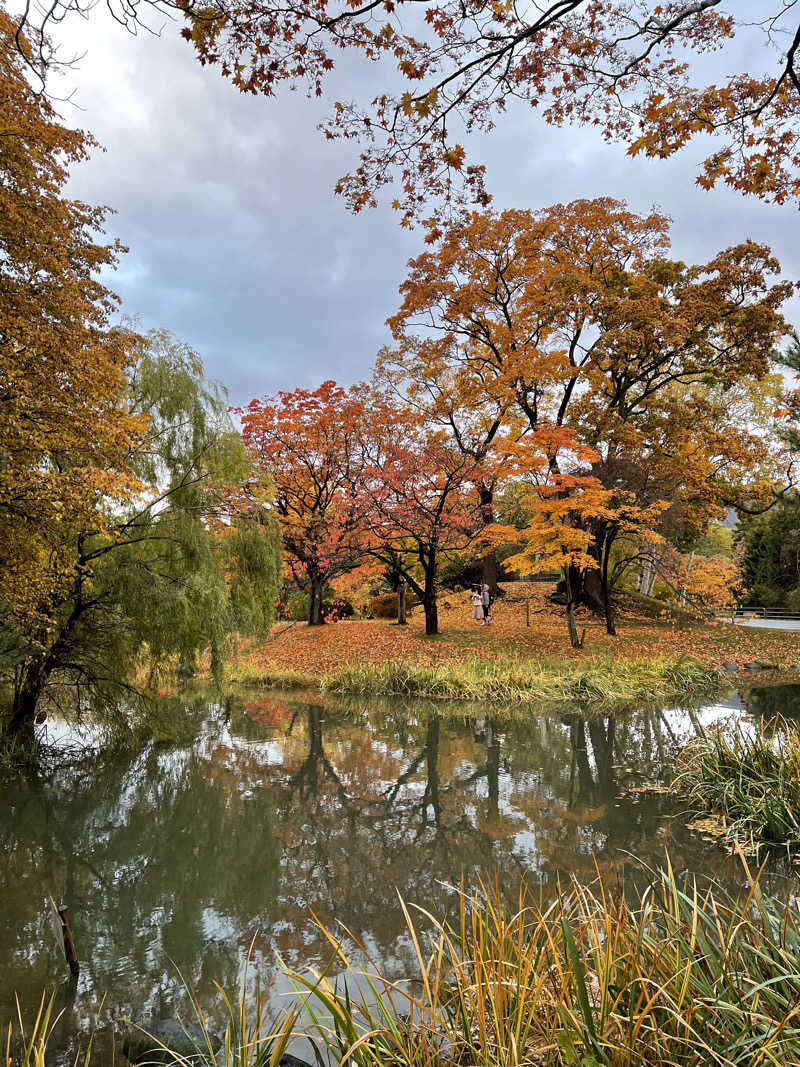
[[530, 630], [600, 682], [744, 780]]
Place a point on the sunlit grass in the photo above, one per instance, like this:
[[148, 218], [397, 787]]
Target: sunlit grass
[[271, 677], [601, 682]]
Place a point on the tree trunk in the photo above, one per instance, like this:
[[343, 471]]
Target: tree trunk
[[587, 588], [429, 597], [572, 629], [23, 711], [489, 562], [315, 602], [37, 671], [647, 576], [401, 603], [611, 627], [608, 607], [431, 613]]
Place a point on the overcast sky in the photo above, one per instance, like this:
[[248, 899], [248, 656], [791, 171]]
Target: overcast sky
[[238, 245]]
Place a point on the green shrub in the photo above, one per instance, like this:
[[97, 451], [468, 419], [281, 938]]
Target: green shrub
[[298, 607]]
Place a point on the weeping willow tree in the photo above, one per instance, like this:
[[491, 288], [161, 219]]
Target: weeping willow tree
[[175, 573]]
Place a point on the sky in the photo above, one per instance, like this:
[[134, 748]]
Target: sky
[[238, 245]]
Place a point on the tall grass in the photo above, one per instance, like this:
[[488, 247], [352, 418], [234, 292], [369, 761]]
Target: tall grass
[[670, 975], [252, 1038], [747, 778], [677, 977], [601, 681], [259, 676], [30, 1049]]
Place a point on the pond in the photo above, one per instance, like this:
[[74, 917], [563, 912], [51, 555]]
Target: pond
[[174, 860]]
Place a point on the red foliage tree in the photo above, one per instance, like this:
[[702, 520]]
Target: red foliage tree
[[418, 498], [309, 446]]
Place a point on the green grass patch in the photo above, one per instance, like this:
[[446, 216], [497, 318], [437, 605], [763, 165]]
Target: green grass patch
[[744, 779], [273, 679], [600, 682]]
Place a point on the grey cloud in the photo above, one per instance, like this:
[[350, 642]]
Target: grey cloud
[[238, 245]]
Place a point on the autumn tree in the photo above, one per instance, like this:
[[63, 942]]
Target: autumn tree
[[615, 64], [418, 500], [489, 331], [309, 446], [64, 436], [171, 574], [646, 73], [563, 501], [433, 390], [573, 317], [701, 447]]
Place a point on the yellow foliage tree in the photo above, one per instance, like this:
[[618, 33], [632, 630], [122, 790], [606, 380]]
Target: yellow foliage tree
[[64, 436]]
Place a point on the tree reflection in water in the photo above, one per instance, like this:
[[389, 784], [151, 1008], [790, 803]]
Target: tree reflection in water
[[181, 857]]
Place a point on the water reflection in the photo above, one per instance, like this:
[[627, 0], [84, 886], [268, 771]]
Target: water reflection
[[183, 857], [773, 700]]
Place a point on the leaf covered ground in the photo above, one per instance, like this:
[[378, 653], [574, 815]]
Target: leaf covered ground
[[310, 652]]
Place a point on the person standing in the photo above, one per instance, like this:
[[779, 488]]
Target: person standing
[[477, 605], [486, 600]]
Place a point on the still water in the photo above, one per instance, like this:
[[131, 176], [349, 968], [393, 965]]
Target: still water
[[175, 859]]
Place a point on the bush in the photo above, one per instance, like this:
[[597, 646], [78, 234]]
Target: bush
[[298, 607], [385, 605]]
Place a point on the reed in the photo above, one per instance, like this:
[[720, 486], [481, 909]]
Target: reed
[[678, 976], [672, 974], [746, 777], [29, 1049], [271, 678], [252, 1038], [601, 682]]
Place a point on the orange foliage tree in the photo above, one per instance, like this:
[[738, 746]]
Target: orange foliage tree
[[491, 329], [642, 71], [565, 502], [309, 447], [574, 318]]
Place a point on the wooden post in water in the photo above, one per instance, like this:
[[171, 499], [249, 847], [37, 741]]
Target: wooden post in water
[[69, 942]]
